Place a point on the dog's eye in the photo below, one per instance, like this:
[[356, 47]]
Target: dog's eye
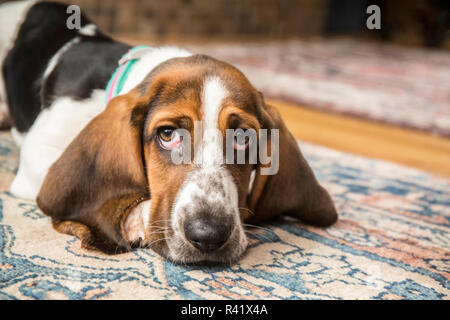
[[241, 140], [168, 137]]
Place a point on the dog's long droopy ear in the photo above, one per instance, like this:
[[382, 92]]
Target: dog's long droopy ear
[[294, 190], [99, 178]]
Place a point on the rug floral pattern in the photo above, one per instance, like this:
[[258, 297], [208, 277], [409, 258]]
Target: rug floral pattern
[[392, 241]]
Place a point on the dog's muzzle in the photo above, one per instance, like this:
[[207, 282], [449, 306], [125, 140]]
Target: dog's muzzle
[[206, 221]]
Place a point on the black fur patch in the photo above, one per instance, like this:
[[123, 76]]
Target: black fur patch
[[84, 67]]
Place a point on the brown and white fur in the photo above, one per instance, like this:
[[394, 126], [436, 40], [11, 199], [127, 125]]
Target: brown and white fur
[[102, 174]]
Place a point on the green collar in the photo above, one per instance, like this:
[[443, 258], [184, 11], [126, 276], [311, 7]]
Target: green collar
[[117, 80]]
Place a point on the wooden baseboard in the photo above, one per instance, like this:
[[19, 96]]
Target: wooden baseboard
[[405, 146]]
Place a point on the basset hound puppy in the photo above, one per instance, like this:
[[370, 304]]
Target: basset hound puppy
[[99, 161]]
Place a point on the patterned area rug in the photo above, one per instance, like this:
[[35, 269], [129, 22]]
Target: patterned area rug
[[392, 242], [386, 83]]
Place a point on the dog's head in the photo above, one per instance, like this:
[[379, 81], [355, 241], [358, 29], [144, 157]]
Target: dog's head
[[160, 167]]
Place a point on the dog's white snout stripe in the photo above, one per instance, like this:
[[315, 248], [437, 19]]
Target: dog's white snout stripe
[[210, 186], [211, 150]]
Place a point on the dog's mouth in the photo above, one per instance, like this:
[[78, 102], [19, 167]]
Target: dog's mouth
[[203, 222], [188, 238]]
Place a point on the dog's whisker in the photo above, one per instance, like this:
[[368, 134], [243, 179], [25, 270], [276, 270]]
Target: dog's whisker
[[258, 227], [247, 209], [159, 231], [162, 220], [159, 228], [258, 235], [159, 224], [147, 245]]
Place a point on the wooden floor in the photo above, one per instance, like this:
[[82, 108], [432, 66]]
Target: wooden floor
[[405, 146]]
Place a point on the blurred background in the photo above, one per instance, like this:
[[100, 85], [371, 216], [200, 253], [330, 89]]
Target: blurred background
[[382, 93], [419, 22]]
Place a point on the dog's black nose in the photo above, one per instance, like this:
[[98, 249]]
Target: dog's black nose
[[207, 233]]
